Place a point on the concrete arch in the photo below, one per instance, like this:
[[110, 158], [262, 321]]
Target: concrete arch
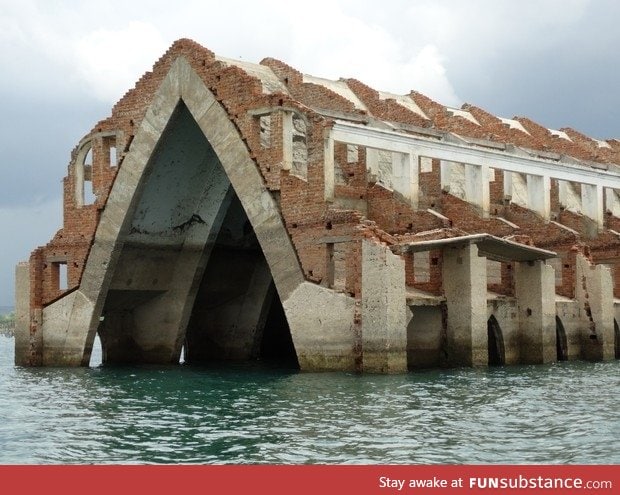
[[70, 324], [561, 342], [495, 345]]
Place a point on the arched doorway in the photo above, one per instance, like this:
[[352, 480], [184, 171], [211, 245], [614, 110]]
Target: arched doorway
[[616, 339], [561, 344], [159, 223], [191, 273], [497, 354]]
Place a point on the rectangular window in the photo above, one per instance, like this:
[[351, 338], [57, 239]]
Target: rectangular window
[[60, 275]]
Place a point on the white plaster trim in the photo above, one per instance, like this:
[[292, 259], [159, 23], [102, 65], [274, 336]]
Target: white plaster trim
[[463, 153]]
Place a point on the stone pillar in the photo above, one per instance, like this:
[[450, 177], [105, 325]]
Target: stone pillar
[[535, 293], [287, 140], [406, 176], [22, 314], [518, 189], [372, 162], [465, 289], [567, 196], [538, 195], [612, 202], [328, 166], [592, 203], [594, 292], [445, 168], [477, 187], [384, 310], [507, 185]]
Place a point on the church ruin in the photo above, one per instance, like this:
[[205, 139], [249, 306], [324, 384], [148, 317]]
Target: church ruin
[[239, 211]]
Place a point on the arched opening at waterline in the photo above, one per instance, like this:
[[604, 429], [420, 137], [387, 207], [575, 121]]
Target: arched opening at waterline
[[237, 314], [561, 344], [191, 277], [616, 339], [277, 344], [497, 355]]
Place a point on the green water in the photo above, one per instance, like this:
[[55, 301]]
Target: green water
[[560, 413]]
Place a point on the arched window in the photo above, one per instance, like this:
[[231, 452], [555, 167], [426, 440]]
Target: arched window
[[497, 354]]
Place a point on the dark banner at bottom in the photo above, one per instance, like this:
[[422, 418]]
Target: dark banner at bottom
[[321, 480]]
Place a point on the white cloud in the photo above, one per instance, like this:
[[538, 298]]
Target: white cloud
[[110, 61], [342, 43]]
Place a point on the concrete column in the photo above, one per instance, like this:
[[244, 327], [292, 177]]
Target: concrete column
[[612, 202], [594, 292], [567, 196], [477, 187], [445, 168], [563, 192], [406, 176], [384, 310], [518, 189], [372, 161], [535, 293], [328, 166], [507, 185], [22, 314], [287, 140], [538, 195], [592, 203], [413, 163], [465, 289]]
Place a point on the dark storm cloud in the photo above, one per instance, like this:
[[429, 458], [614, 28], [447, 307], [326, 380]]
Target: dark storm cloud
[[38, 134], [561, 70]]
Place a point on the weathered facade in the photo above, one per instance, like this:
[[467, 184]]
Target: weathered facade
[[237, 211]]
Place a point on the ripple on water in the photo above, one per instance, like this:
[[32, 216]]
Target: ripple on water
[[561, 413]]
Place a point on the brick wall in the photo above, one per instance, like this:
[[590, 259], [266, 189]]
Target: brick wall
[[314, 225]]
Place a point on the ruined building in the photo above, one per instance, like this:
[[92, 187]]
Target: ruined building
[[237, 211]]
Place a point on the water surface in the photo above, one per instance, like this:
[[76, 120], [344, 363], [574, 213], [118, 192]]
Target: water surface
[[560, 413]]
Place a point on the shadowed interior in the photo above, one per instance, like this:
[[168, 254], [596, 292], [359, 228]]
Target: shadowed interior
[[191, 271]]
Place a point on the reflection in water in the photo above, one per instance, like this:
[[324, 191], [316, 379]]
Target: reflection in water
[[561, 413]]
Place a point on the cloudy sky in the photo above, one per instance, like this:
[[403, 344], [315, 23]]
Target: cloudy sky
[[64, 63]]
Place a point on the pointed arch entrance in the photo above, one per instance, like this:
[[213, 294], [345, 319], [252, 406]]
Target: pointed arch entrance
[[191, 271], [186, 164], [561, 343], [496, 351]]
